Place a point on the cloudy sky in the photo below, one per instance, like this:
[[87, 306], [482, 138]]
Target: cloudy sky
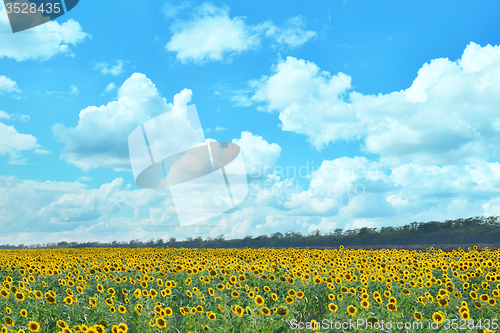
[[348, 113]]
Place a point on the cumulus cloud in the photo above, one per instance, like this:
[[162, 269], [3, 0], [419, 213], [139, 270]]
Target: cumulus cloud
[[114, 211], [115, 70], [293, 32], [7, 85], [56, 211], [13, 143], [434, 140], [448, 114], [258, 154], [210, 34], [100, 139], [41, 42]]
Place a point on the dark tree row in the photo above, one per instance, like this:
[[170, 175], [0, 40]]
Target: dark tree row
[[477, 229]]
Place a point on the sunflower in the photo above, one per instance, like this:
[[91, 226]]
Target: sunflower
[[392, 307], [33, 326], [417, 315], [351, 309], [281, 311], [238, 310], [123, 327], [332, 307], [259, 300], [465, 314], [443, 302], [161, 323], [212, 316], [438, 317], [8, 321], [365, 304], [265, 311], [19, 296]]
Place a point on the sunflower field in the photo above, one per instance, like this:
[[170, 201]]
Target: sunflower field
[[248, 290]]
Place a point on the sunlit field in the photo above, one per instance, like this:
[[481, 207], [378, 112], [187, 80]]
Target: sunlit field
[[249, 290]]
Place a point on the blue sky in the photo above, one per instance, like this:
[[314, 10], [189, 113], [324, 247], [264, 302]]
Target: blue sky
[[400, 99]]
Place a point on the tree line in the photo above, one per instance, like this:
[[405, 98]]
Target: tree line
[[479, 229]]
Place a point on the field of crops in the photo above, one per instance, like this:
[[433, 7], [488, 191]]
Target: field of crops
[[249, 290]]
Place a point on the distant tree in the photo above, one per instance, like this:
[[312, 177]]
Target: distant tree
[[337, 232], [315, 233]]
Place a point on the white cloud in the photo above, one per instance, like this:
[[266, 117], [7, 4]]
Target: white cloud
[[116, 212], [220, 128], [13, 143], [4, 115], [73, 90], [22, 117], [446, 116], [41, 42], [100, 139], [258, 154], [170, 10], [115, 70], [84, 179], [110, 87], [211, 35], [292, 32], [56, 211], [7, 85]]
